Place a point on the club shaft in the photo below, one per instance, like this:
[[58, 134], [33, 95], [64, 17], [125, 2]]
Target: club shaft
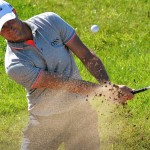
[[140, 90]]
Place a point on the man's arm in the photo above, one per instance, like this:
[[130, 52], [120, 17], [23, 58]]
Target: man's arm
[[115, 93], [96, 67], [93, 64], [89, 59], [59, 82]]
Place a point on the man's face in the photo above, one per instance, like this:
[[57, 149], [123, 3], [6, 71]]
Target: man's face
[[12, 30]]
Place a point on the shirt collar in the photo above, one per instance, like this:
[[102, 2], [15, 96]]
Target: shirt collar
[[16, 46], [32, 26]]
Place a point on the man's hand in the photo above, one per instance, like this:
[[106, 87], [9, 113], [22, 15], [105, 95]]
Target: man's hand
[[126, 93], [119, 94]]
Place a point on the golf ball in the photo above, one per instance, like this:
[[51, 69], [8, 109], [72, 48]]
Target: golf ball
[[94, 28]]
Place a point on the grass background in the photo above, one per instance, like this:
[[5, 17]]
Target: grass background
[[123, 45]]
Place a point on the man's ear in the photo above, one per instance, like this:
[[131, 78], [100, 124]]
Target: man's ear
[[14, 10]]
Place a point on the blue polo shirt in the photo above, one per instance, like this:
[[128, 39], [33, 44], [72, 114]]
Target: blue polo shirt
[[25, 61]]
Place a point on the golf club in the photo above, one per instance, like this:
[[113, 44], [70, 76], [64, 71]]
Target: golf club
[[141, 90]]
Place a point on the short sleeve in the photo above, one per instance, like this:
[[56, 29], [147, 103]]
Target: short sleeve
[[66, 31], [23, 72]]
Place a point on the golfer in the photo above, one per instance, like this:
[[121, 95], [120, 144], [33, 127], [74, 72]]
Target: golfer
[[39, 57]]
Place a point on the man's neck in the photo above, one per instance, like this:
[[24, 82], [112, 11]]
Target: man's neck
[[27, 33]]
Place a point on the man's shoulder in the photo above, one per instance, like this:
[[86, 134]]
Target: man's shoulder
[[44, 16], [47, 20]]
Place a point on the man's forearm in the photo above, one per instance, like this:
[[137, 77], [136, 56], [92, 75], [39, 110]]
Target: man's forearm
[[89, 59], [57, 81], [96, 68]]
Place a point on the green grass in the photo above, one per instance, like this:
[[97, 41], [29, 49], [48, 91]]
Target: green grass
[[123, 45]]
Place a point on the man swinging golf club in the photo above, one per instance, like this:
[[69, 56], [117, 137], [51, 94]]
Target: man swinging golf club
[[39, 57]]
